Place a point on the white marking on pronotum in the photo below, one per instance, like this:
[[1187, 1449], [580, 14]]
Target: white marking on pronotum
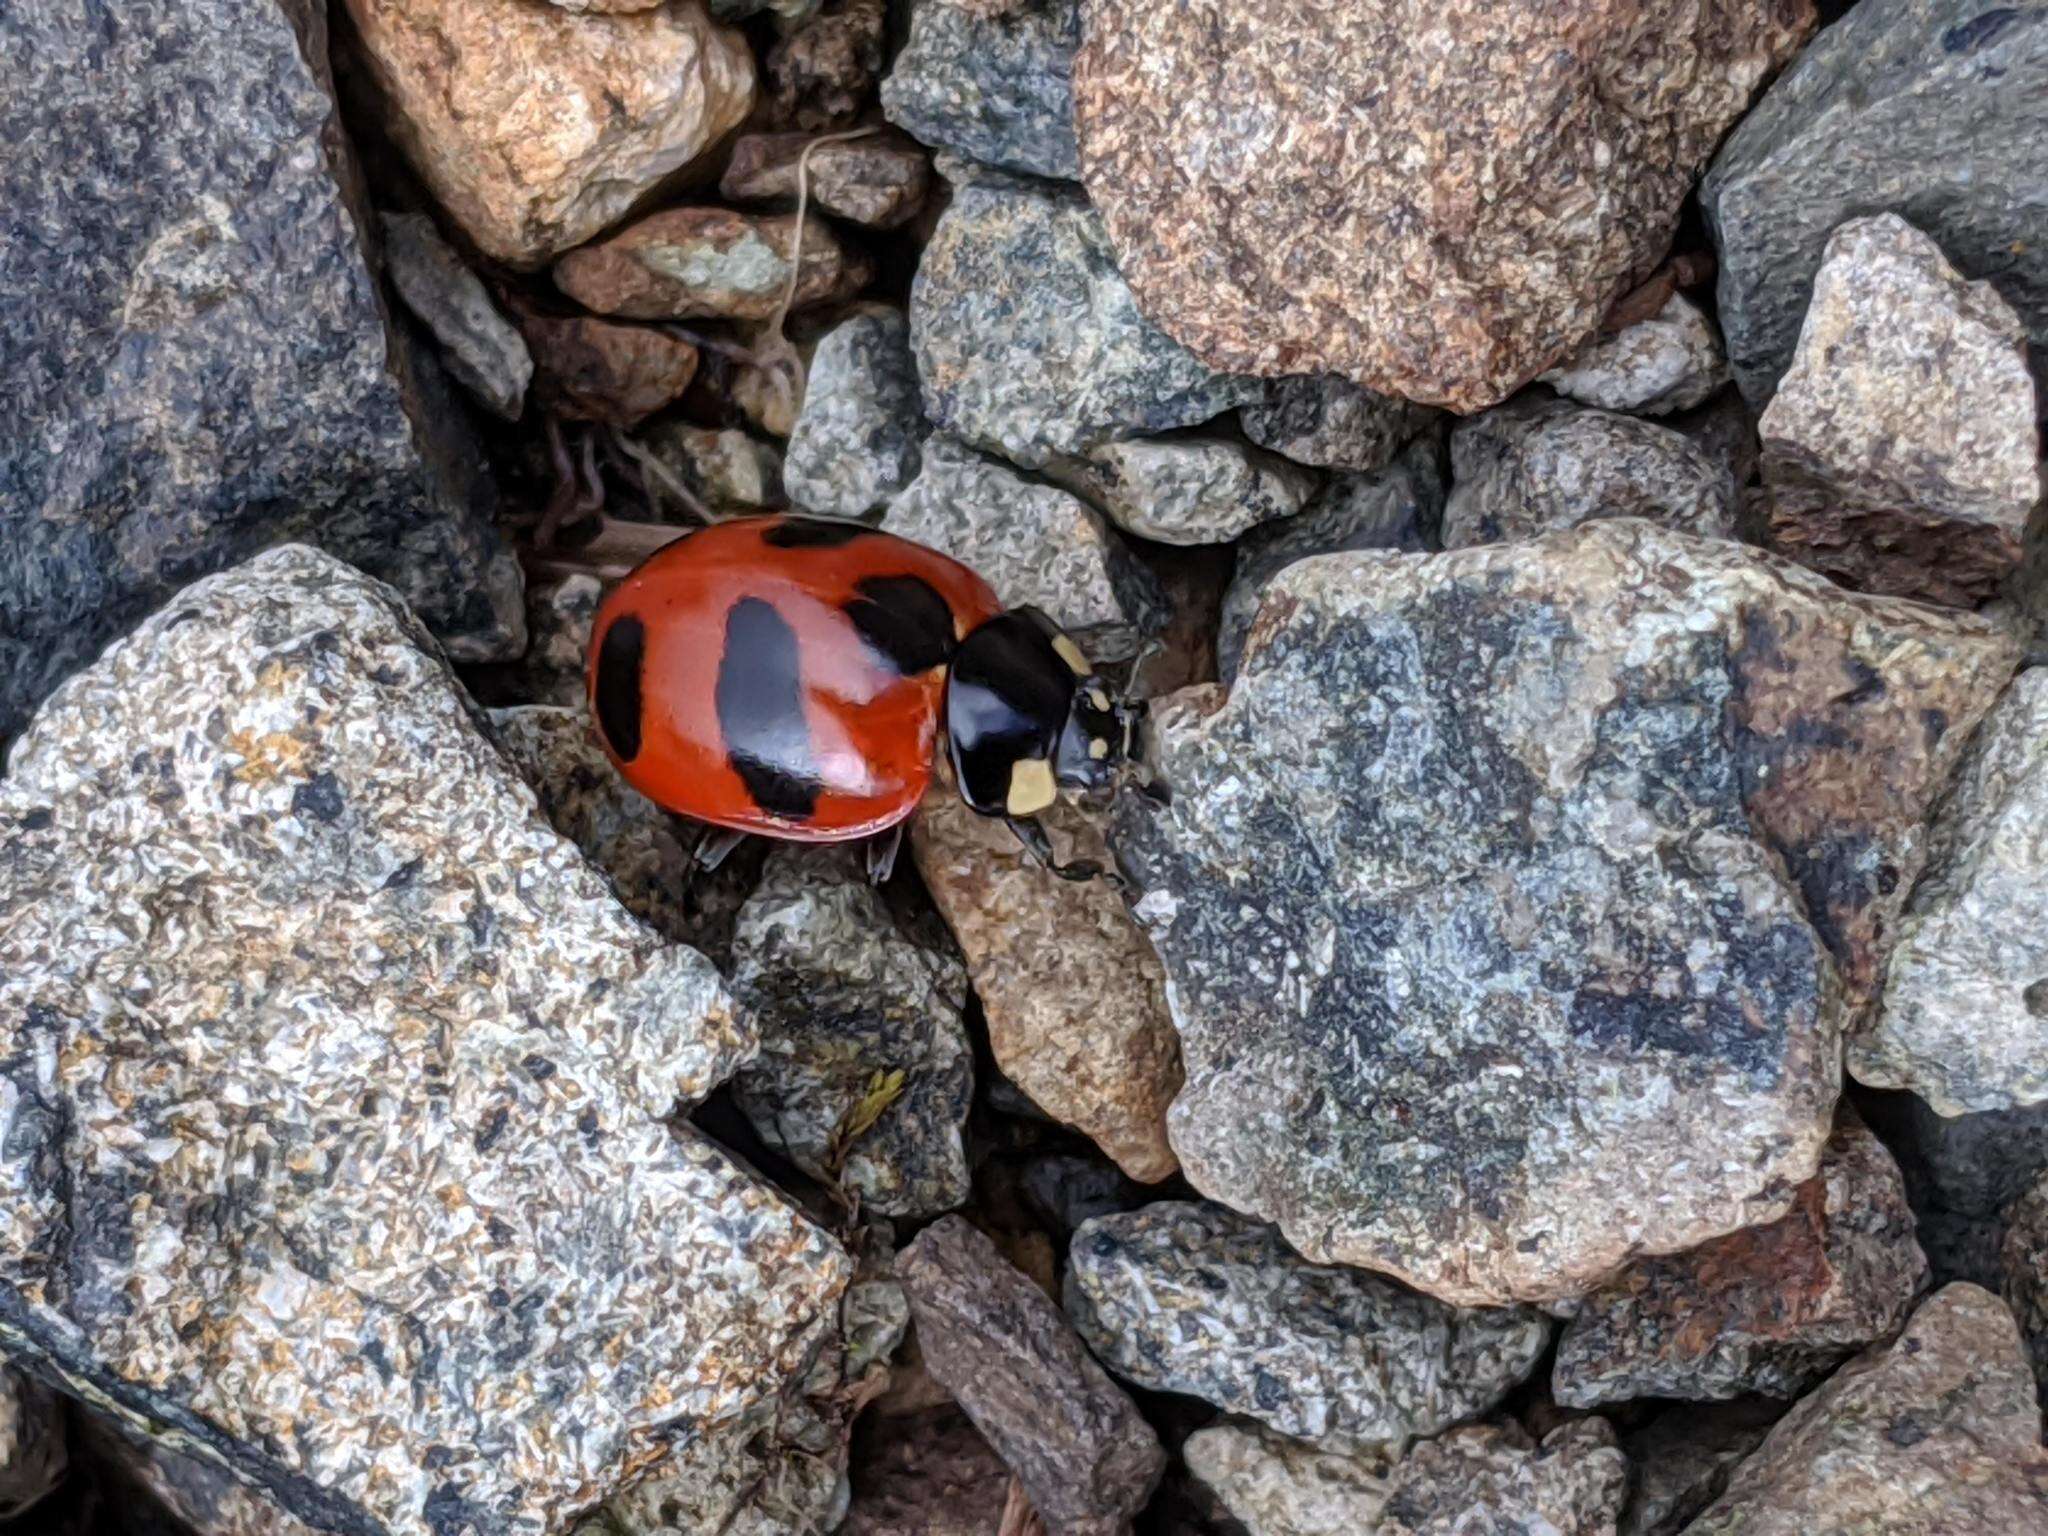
[[1070, 653], [1032, 787]]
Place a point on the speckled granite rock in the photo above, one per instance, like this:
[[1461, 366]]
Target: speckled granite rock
[[33, 1454], [879, 181], [1028, 340], [176, 243], [481, 349], [1074, 996], [1537, 463], [2023, 1272], [845, 998], [1034, 543], [729, 470], [687, 263], [1769, 1309], [999, 89], [1331, 423], [1524, 168], [1192, 1298], [1934, 109], [1546, 794], [933, 1476], [1964, 1018], [559, 613], [1398, 507], [1087, 1458], [1672, 361], [858, 438], [537, 128], [1937, 1434], [1188, 490], [346, 1164], [1493, 1480], [587, 369], [1900, 453], [822, 74], [1681, 1458], [1277, 1486]]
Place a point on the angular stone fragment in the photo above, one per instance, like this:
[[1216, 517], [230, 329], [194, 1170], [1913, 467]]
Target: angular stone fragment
[[1278, 1486], [196, 1492], [481, 349], [998, 89], [1536, 464], [1937, 1434], [1961, 1173], [710, 262], [559, 614], [1770, 1309], [1493, 1480], [1537, 805], [857, 440], [822, 74], [1188, 490], [879, 181], [1192, 1298], [1681, 1459], [2023, 1272], [1672, 361], [1964, 1017], [931, 1476], [728, 470], [787, 12], [352, 1086], [1028, 340], [1074, 996], [865, 1075], [595, 370], [1065, 1189], [196, 357], [1085, 1455], [33, 1454], [1438, 202], [1034, 543], [1900, 453], [1330, 422], [1933, 109], [536, 128]]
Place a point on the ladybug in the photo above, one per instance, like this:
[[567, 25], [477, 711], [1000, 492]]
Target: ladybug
[[789, 676]]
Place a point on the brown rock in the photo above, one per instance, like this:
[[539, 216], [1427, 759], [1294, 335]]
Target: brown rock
[[709, 262], [1084, 1453], [1075, 996], [593, 370], [537, 127], [2023, 1271], [879, 180], [1681, 1458], [1493, 1480], [824, 73], [1436, 200], [929, 1476]]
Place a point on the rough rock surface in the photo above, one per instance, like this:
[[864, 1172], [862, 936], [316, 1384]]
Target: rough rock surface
[[822, 74], [1398, 507], [1087, 1458], [340, 1079], [1937, 1434], [1192, 1298], [587, 369], [33, 1454], [481, 349], [1034, 543], [1769, 1309], [1964, 1017], [1681, 1458], [1028, 340], [723, 467], [1537, 805], [1074, 996], [1188, 490], [688, 263], [879, 181], [1672, 361], [537, 128], [198, 1493], [848, 1002], [1523, 168], [1064, 1189], [1933, 109], [1278, 1486], [858, 438], [1331, 423], [1536, 464], [934, 1476], [1900, 453], [996, 89], [1493, 1480], [1961, 1173], [559, 613], [175, 246], [2023, 1272]]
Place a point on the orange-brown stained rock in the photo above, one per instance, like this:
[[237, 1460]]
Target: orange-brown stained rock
[[593, 370], [710, 262]]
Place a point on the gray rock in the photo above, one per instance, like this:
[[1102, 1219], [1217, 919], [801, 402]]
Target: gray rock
[[33, 1453], [198, 1493], [1961, 1172], [1035, 544], [1672, 361], [559, 613], [1933, 109], [1538, 463], [997, 89], [878, 179], [787, 12], [1277, 1486], [864, 1076], [1398, 507], [1681, 1459], [1964, 1018], [1332, 423], [1536, 805], [482, 350], [1493, 1480], [196, 356], [383, 1194], [1087, 1458], [1936, 1434], [1186, 1297], [2023, 1272], [1900, 453], [858, 438], [1066, 1189], [729, 470], [1188, 490], [1028, 340]]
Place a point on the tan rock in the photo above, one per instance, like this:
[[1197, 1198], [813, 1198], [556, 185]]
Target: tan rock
[[593, 370], [537, 127], [879, 180], [712, 263]]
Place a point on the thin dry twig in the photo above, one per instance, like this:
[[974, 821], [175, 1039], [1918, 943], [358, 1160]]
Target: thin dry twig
[[1019, 1518]]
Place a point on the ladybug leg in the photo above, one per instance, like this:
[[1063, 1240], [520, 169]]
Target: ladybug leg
[[1039, 846], [881, 851], [714, 845]]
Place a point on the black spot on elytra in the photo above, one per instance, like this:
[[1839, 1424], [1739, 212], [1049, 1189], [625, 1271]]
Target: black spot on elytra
[[813, 533], [761, 710], [1968, 36], [618, 685], [319, 797], [904, 620]]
